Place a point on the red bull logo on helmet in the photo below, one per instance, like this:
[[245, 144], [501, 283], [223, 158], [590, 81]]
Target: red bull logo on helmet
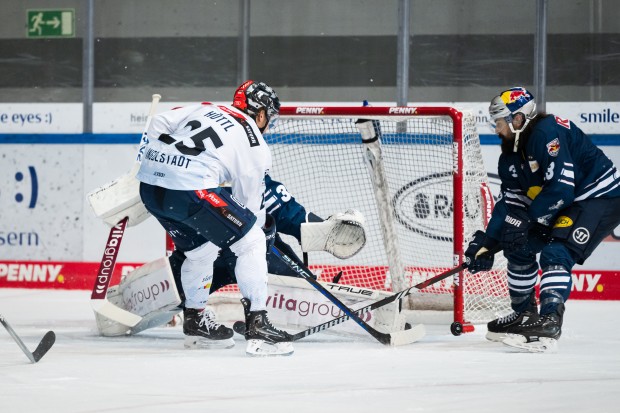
[[516, 94], [515, 98]]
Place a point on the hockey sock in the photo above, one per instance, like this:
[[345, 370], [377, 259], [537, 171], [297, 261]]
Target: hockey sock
[[555, 285], [521, 282]]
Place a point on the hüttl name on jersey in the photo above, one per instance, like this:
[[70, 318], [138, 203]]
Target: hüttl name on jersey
[[161, 157], [221, 119]]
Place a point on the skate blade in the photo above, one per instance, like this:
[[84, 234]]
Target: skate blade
[[192, 342], [261, 348], [496, 337], [543, 345]]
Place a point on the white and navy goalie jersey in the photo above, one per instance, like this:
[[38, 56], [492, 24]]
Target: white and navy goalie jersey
[[203, 146]]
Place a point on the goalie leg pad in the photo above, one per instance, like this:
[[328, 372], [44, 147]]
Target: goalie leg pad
[[149, 292], [343, 235]]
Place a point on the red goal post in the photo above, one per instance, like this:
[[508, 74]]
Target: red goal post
[[436, 195]]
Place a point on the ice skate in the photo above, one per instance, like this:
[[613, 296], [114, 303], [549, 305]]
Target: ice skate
[[538, 336], [203, 332], [498, 329], [262, 337]]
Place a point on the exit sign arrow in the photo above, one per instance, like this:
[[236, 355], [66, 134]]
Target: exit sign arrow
[[51, 23]]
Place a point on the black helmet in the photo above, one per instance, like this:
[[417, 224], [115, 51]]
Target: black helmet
[[251, 96]]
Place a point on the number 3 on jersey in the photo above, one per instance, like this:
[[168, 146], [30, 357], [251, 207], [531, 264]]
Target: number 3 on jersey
[[197, 138]]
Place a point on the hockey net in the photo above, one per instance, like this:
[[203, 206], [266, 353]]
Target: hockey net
[[421, 186]]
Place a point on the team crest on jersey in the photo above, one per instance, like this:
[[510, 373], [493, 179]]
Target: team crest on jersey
[[553, 147]]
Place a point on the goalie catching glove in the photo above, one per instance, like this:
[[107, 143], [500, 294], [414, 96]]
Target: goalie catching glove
[[343, 235]]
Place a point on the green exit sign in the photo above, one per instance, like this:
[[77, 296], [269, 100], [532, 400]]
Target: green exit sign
[[51, 23]]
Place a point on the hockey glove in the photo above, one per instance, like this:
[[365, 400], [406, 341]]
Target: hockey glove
[[515, 230], [475, 257]]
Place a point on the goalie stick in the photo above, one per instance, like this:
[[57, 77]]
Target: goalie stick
[[44, 345], [239, 326], [98, 299]]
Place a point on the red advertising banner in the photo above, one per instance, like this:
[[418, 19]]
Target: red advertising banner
[[56, 274], [587, 284]]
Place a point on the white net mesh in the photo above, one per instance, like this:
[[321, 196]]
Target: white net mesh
[[321, 161]]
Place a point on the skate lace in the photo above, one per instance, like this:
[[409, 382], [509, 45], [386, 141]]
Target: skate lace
[[267, 322], [508, 318], [208, 320]]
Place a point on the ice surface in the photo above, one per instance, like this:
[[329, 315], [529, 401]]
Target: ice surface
[[152, 372]]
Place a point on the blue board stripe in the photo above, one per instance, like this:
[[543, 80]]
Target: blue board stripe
[[134, 139]]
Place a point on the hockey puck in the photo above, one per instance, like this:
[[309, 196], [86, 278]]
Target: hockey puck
[[456, 328], [239, 327]]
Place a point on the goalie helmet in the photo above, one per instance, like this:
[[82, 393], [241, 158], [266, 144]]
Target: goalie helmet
[[252, 96]]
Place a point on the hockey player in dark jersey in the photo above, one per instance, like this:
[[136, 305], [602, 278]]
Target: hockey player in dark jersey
[[560, 197]]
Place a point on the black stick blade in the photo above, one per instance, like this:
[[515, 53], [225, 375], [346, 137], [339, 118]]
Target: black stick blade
[[46, 343]]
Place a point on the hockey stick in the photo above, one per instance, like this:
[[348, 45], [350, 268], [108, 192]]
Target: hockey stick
[[239, 327], [98, 298], [395, 339], [44, 345], [144, 140]]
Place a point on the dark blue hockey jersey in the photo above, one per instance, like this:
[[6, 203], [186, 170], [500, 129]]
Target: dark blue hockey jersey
[[558, 166], [279, 203]]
